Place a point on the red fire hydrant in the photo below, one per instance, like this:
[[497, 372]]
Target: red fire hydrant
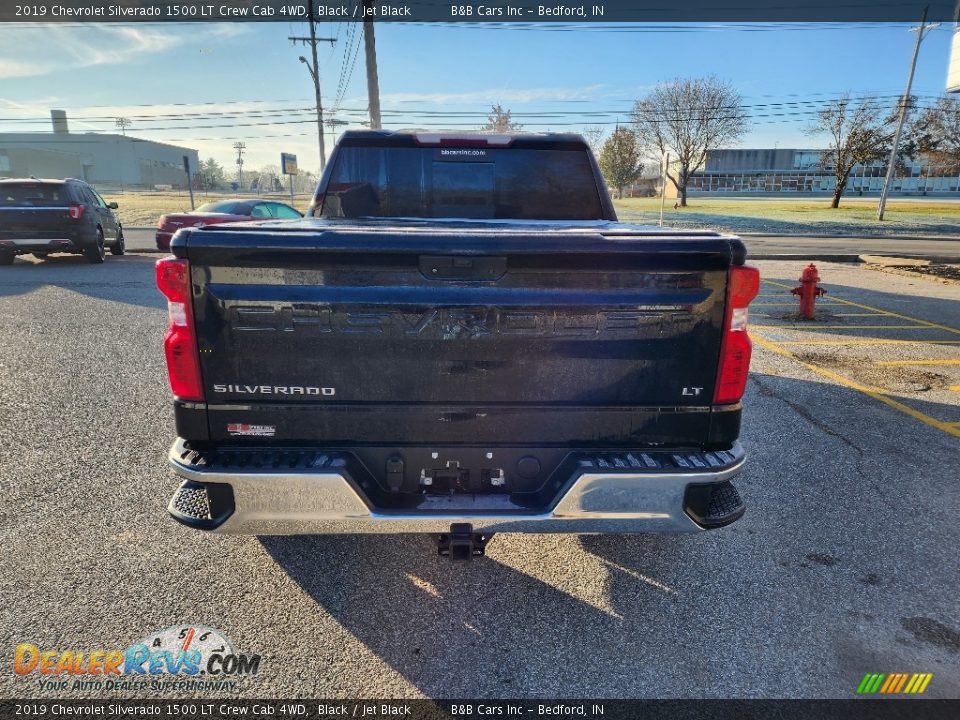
[[809, 291]]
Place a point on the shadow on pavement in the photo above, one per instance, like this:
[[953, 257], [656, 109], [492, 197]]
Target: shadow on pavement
[[126, 279], [839, 556], [844, 552], [461, 629]]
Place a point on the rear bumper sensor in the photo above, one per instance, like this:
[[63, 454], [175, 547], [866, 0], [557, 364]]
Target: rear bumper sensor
[[312, 491]]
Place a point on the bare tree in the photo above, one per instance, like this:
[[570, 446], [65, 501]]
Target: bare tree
[[936, 134], [688, 117], [860, 132], [269, 178], [499, 120], [593, 134], [620, 160], [305, 182]]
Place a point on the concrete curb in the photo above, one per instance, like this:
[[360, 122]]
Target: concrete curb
[[848, 257], [799, 257], [852, 258], [808, 257], [892, 236]]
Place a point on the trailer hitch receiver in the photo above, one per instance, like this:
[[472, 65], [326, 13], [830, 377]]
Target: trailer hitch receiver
[[462, 543]]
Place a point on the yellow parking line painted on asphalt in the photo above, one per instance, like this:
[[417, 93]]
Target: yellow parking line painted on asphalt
[[868, 342], [949, 428], [814, 328], [917, 362], [891, 314], [833, 314], [787, 304], [954, 388], [881, 314]]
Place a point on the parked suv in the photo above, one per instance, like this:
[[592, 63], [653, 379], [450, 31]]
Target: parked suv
[[56, 216]]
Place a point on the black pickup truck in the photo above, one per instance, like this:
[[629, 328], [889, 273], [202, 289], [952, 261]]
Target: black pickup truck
[[460, 340]]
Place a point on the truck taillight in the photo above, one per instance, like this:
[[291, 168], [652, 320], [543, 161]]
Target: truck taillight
[[742, 287], [76, 211], [180, 342]]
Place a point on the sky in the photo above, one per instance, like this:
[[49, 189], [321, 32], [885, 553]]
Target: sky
[[207, 86]]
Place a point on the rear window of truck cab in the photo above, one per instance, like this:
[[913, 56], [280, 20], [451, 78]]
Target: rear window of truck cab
[[462, 182]]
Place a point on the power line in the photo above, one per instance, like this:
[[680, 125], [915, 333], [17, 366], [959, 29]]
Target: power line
[[294, 111], [314, 69]]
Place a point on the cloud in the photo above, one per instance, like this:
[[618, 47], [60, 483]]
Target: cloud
[[18, 68], [32, 52]]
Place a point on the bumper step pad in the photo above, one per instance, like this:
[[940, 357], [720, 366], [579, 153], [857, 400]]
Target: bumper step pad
[[714, 505], [202, 506]]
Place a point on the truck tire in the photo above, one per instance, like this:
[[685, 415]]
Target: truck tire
[[120, 246], [96, 254]]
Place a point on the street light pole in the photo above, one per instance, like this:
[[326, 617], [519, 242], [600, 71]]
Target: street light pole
[[316, 84], [314, 69], [921, 31]]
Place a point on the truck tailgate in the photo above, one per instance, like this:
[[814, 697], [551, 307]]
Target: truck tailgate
[[337, 333]]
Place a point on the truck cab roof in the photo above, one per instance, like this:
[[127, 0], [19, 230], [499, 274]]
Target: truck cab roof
[[437, 138]]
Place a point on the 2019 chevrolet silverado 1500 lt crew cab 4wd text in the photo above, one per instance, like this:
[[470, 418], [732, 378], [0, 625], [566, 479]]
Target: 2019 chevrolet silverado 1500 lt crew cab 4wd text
[[462, 340]]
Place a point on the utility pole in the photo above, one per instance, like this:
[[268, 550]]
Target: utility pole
[[122, 123], [240, 147], [370, 54], [314, 69], [921, 31]]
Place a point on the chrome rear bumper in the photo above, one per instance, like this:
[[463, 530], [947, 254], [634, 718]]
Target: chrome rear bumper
[[327, 500]]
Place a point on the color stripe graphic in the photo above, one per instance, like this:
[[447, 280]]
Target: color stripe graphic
[[894, 683]]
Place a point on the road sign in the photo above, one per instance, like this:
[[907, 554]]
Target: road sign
[[289, 163]]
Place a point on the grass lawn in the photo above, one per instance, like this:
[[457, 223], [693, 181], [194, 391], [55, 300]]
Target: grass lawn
[[855, 216], [143, 209]]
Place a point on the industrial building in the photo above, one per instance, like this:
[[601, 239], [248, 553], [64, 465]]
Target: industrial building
[[104, 160], [774, 170]]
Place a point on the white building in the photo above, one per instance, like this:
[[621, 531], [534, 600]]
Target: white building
[[102, 159]]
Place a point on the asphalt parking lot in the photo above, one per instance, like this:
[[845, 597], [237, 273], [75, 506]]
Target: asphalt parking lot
[[846, 562]]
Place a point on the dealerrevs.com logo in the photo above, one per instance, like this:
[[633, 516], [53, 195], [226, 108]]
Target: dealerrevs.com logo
[[180, 657]]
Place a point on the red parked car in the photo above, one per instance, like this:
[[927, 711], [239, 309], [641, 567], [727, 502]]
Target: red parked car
[[223, 211]]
